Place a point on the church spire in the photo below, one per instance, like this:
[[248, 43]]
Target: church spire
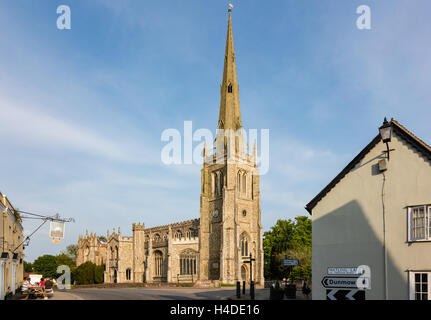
[[230, 114]]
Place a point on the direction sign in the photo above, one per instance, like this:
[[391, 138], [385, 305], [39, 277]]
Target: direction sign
[[339, 294], [288, 262], [342, 282], [344, 271]]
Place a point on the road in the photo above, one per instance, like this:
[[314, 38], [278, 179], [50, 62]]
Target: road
[[159, 294]]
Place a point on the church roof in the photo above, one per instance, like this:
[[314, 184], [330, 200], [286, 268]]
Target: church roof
[[175, 225], [407, 135]]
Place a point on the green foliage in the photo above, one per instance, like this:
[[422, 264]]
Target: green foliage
[[228, 285], [72, 251], [99, 274], [46, 265], [89, 273], [28, 267], [288, 237], [64, 259]]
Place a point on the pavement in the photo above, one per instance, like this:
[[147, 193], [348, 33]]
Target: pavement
[[154, 293], [160, 294], [64, 295]]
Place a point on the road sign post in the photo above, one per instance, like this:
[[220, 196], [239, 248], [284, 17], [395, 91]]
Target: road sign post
[[251, 276]]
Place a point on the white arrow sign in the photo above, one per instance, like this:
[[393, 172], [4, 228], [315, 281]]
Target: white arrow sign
[[331, 295], [351, 294], [343, 294], [340, 282]]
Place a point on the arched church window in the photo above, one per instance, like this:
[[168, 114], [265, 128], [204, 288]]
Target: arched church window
[[244, 183], [213, 178], [128, 274], [238, 185], [216, 184], [158, 263], [188, 262], [244, 245], [229, 88], [221, 182]]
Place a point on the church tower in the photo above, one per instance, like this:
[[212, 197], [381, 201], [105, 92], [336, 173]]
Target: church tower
[[230, 215]]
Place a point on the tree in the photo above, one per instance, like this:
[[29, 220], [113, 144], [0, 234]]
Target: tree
[[288, 237], [64, 259], [89, 273], [72, 251], [46, 265], [28, 267]]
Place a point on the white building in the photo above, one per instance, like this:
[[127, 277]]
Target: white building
[[11, 260], [377, 212]]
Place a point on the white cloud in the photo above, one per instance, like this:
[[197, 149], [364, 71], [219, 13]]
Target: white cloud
[[34, 128]]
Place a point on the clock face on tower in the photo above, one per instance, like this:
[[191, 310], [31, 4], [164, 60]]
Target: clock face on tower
[[216, 213]]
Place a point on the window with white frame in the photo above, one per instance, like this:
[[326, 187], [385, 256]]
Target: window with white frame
[[419, 223], [420, 285]]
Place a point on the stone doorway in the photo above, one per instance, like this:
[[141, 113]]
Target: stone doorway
[[244, 276]]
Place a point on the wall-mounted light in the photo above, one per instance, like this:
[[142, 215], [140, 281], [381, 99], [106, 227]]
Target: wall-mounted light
[[386, 134], [386, 131]]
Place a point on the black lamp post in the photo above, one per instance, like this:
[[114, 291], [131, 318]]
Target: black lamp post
[[386, 134]]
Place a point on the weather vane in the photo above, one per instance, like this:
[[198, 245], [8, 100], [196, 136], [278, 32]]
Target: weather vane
[[230, 6]]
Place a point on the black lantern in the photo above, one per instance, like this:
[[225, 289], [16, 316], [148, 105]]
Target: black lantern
[[386, 131]]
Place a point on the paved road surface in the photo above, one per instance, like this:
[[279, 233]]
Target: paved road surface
[[159, 294]]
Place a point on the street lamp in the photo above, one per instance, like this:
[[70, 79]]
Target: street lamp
[[386, 131], [386, 134]]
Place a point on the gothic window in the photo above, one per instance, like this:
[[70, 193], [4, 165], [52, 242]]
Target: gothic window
[[244, 245], [188, 262], [244, 183], [212, 183], [229, 88], [128, 274], [156, 238], [221, 182], [178, 235], [216, 185], [238, 185], [158, 263]]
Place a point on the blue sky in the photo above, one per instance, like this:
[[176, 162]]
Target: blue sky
[[82, 110]]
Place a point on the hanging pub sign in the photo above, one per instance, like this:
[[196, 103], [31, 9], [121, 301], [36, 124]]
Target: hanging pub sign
[[56, 230]]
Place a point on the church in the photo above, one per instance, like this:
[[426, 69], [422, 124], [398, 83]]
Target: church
[[213, 249]]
